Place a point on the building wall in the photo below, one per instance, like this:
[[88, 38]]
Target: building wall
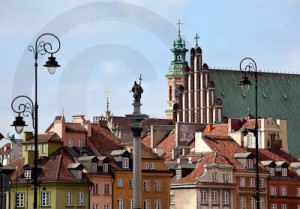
[[292, 197], [248, 191], [101, 198], [187, 200], [126, 192], [57, 195]]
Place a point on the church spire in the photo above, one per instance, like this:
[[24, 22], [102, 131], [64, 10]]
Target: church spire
[[107, 102]]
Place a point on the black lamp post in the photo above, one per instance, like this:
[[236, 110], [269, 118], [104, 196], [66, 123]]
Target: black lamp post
[[248, 68], [28, 108]]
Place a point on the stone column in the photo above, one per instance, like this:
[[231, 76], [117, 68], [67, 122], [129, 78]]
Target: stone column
[[136, 119]]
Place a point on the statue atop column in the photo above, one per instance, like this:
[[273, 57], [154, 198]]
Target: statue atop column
[[137, 91]]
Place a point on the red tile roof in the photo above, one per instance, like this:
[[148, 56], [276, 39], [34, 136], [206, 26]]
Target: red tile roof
[[54, 168], [206, 158], [220, 143], [104, 140], [75, 127], [167, 144], [49, 137]]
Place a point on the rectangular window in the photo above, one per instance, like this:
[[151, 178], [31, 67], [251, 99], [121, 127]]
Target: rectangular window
[[226, 177], [80, 199], [178, 174], [106, 206], [44, 148], [157, 204], [298, 192], [27, 174], [283, 191], [79, 174], [152, 165], [131, 183], [107, 188], [283, 206], [262, 203], [130, 203], [284, 171], [273, 206], [243, 203], [273, 190], [70, 142], [20, 199], [215, 197], [120, 204], [252, 203], [203, 196], [105, 167], [94, 167], [249, 163], [147, 165], [242, 182], [45, 198], [251, 182], [69, 199], [214, 176], [95, 206], [261, 183], [226, 197], [157, 186], [125, 162], [120, 182], [172, 199], [96, 188], [272, 171], [146, 204], [146, 186], [28, 147], [79, 143]]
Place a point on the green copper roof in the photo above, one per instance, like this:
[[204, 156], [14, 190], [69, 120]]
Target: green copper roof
[[177, 68], [278, 97]]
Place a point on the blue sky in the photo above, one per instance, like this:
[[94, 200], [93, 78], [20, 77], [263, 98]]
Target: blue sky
[[108, 44]]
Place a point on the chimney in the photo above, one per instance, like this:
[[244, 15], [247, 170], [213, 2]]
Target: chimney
[[27, 135], [78, 119], [209, 128]]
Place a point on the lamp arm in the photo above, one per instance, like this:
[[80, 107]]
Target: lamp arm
[[25, 108], [42, 47]]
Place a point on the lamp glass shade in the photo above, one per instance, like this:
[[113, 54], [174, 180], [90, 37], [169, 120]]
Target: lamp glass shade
[[51, 70], [245, 83], [19, 129], [19, 124], [51, 64]]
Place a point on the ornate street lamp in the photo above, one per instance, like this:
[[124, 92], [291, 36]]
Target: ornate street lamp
[[248, 66], [28, 108]]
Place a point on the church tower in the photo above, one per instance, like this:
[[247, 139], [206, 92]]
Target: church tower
[[176, 72]]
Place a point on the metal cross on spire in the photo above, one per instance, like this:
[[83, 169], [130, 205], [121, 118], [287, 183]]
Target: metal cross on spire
[[179, 23], [140, 78], [196, 38]]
